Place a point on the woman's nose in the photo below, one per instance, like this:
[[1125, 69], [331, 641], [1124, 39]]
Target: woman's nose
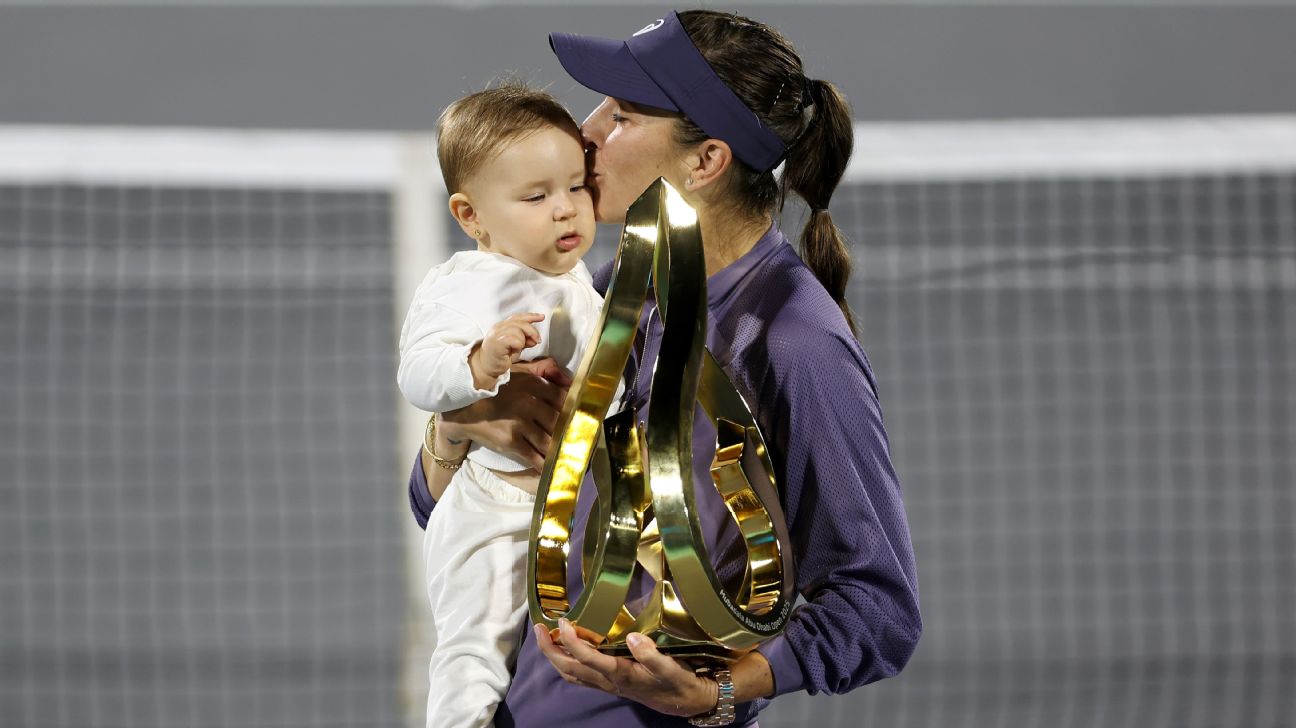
[[589, 136], [594, 128]]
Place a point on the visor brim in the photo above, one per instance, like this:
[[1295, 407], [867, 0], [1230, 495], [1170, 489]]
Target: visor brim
[[606, 66]]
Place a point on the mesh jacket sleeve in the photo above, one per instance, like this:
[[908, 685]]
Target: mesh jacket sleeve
[[421, 503], [854, 558]]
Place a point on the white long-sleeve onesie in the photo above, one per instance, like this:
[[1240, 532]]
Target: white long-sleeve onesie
[[475, 544], [457, 303]]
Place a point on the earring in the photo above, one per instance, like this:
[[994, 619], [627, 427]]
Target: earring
[[688, 182], [477, 233]]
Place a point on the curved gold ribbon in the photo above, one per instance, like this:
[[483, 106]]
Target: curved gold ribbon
[[647, 515]]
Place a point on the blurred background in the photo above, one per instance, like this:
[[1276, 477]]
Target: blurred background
[[1074, 231]]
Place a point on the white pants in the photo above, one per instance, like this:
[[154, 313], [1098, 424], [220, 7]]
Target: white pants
[[475, 549]]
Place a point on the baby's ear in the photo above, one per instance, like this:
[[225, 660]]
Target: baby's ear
[[464, 213]]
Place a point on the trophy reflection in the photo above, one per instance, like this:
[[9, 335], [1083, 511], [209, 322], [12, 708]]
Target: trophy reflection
[[644, 519]]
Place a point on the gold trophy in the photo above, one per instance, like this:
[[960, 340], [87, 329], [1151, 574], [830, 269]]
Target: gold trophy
[[645, 515]]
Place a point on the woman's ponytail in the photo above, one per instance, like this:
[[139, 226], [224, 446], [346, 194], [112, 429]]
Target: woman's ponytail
[[763, 69], [815, 165]]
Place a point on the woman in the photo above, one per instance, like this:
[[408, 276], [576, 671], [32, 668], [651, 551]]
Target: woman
[[714, 102]]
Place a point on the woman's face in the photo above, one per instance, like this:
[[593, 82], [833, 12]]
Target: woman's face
[[627, 148]]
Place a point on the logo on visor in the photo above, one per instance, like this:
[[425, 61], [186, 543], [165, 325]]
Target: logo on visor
[[650, 27]]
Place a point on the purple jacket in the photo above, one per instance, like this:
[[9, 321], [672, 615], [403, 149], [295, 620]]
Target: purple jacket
[[787, 347]]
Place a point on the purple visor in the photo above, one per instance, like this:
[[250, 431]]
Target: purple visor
[[660, 67]]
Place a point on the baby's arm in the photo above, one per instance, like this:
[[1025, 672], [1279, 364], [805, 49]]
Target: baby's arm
[[435, 343], [501, 347]]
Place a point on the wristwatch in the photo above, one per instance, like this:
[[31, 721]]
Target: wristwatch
[[723, 713]]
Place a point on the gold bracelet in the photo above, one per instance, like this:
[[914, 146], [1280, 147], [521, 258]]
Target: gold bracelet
[[429, 447]]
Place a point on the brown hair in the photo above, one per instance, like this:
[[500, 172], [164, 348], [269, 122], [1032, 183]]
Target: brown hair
[[472, 130], [812, 118]]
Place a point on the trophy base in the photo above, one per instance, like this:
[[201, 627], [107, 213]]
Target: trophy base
[[665, 621], [695, 652], [692, 651]]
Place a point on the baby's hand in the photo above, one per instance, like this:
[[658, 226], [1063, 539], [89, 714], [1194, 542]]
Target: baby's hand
[[502, 346]]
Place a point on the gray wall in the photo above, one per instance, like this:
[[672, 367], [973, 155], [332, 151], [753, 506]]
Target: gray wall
[[395, 67]]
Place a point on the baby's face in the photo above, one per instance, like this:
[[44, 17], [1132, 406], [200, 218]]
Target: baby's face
[[533, 204]]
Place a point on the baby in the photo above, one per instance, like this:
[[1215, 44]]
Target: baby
[[513, 160]]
